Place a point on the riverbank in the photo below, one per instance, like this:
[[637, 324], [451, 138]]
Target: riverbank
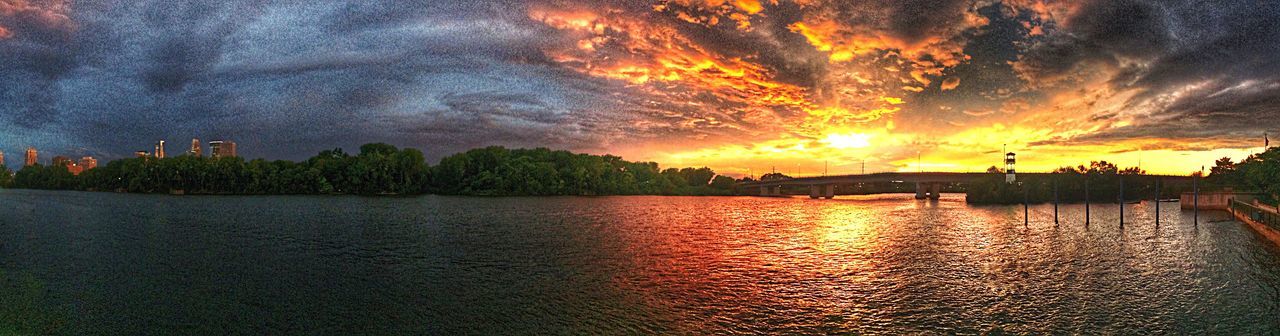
[[1262, 219]]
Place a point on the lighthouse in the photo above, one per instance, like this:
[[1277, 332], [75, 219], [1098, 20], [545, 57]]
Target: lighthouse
[[1009, 176]]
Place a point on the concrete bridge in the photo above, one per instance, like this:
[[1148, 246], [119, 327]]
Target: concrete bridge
[[927, 184]]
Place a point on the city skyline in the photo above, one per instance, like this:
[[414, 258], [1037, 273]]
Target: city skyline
[[738, 85], [158, 152]]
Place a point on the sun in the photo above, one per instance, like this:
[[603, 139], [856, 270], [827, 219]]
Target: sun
[[844, 141]]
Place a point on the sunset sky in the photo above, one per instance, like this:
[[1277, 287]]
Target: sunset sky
[[739, 86]]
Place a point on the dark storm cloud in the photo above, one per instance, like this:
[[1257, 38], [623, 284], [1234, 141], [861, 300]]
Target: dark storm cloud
[[1200, 70], [282, 79], [1101, 33], [769, 43], [287, 78]]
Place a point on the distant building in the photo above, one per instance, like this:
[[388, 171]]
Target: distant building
[[88, 162], [2, 159], [62, 161], [31, 156], [71, 166], [160, 149], [222, 148], [141, 154], [195, 148]]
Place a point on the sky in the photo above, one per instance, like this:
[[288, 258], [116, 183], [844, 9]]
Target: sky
[[743, 86]]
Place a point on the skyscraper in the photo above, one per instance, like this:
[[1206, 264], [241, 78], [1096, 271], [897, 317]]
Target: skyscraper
[[160, 149], [222, 148], [31, 156], [195, 147], [2, 159]]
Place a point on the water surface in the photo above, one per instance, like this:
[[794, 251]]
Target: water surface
[[101, 263]]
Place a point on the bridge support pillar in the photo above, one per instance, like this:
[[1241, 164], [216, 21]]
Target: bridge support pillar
[[829, 191], [764, 191], [777, 190], [935, 191], [921, 192], [815, 191]]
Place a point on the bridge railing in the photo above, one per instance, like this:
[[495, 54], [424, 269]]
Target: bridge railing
[[1265, 217]]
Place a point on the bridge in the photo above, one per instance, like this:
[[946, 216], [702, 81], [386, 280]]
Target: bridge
[[927, 184]]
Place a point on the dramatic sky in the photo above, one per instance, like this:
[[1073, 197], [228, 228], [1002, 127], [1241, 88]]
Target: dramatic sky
[[738, 85]]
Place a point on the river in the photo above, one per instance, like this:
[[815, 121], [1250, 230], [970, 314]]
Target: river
[[118, 264]]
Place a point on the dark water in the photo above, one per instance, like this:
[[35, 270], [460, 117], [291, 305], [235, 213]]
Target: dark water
[[99, 263]]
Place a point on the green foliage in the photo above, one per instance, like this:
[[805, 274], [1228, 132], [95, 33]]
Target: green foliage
[[1257, 173], [541, 171], [1102, 178], [379, 169], [6, 177], [774, 176], [42, 177], [384, 169]]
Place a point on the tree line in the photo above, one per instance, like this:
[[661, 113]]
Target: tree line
[[384, 169], [1258, 173], [1103, 179]]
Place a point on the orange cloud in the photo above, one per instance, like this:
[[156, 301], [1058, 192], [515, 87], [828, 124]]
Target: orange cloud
[[950, 83], [50, 14], [869, 74]]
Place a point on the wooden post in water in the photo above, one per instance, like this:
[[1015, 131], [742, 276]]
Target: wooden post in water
[[1055, 201], [1122, 202], [1157, 200], [1086, 200], [1195, 203]]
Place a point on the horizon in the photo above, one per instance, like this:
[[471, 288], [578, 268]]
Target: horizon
[[737, 86]]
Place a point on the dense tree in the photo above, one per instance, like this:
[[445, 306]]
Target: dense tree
[[1257, 173], [384, 169], [44, 177], [540, 171], [1102, 178], [6, 177], [774, 176]]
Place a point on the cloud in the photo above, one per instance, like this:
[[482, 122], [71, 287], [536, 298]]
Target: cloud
[[288, 79], [950, 83]]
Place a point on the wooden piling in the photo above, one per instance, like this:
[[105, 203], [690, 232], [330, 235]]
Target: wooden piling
[[1086, 200], [1121, 202], [1055, 202], [1195, 203], [1157, 200]]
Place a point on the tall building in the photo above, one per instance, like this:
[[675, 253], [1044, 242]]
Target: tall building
[[2, 159], [31, 156], [222, 148], [72, 167], [195, 147], [88, 162], [160, 149]]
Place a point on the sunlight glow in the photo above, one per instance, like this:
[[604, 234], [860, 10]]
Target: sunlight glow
[[844, 141]]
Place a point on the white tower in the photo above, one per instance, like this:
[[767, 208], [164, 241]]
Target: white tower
[[1009, 176]]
